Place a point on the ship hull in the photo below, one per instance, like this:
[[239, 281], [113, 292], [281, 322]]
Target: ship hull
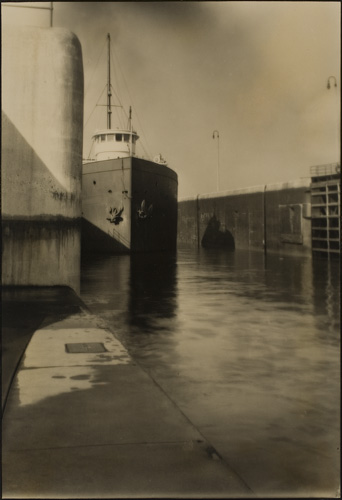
[[129, 205]]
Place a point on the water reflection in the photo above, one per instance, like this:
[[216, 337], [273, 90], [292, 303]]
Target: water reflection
[[105, 286], [152, 287], [326, 296], [136, 295], [248, 348]]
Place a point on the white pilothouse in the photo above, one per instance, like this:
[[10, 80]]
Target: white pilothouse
[[114, 143]]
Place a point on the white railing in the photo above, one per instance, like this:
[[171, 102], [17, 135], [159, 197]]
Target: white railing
[[322, 170]]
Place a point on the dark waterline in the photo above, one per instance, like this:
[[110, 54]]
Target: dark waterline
[[247, 346]]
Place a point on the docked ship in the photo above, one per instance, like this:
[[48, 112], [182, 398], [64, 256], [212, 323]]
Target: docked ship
[[129, 204]]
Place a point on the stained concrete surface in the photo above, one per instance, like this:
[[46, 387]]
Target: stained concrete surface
[[23, 310], [94, 425], [41, 156]]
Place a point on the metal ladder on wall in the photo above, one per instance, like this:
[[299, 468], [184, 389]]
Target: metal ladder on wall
[[326, 209]]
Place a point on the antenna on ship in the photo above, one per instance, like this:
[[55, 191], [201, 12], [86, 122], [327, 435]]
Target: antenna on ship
[[130, 119], [131, 131], [109, 92]]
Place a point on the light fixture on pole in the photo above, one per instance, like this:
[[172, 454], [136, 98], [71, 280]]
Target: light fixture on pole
[[216, 134], [328, 84]]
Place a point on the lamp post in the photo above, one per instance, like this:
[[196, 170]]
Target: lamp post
[[51, 14], [216, 134], [328, 84]]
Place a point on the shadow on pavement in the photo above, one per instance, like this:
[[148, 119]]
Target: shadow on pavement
[[24, 310]]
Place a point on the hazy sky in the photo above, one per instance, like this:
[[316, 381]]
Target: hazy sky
[[255, 71]]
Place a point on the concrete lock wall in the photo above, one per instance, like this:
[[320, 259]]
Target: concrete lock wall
[[274, 217], [42, 131], [288, 217]]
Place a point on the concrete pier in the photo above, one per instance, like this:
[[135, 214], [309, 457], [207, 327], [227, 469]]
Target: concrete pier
[[93, 424], [42, 130]]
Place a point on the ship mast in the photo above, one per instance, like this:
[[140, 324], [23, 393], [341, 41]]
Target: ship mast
[[130, 119], [109, 91], [131, 131]]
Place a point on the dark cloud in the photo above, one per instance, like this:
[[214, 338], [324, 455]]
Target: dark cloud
[[177, 13]]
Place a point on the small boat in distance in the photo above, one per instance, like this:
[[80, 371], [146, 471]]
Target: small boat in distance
[[129, 204]]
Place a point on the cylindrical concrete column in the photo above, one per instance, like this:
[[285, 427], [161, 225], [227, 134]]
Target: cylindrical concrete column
[[42, 130]]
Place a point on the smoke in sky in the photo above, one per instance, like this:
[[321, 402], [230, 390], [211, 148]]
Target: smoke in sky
[[255, 71]]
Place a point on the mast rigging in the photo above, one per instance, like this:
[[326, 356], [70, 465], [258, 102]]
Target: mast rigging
[[109, 91]]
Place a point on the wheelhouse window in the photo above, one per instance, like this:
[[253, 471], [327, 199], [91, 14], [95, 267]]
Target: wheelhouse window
[[126, 137], [103, 137], [118, 137]]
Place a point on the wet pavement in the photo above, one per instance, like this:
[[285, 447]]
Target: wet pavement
[[24, 309], [83, 420]]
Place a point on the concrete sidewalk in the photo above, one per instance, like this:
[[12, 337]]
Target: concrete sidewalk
[[95, 425], [24, 309]]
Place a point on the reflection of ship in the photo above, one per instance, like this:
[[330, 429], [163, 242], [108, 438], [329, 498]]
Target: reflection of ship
[[152, 294], [129, 204]]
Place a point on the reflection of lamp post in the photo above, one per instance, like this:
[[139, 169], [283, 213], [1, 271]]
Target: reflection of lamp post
[[216, 134], [328, 84]]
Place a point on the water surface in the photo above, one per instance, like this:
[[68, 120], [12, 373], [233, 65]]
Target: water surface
[[247, 346]]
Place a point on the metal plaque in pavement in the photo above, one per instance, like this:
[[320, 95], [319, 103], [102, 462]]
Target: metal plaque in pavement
[[85, 347]]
